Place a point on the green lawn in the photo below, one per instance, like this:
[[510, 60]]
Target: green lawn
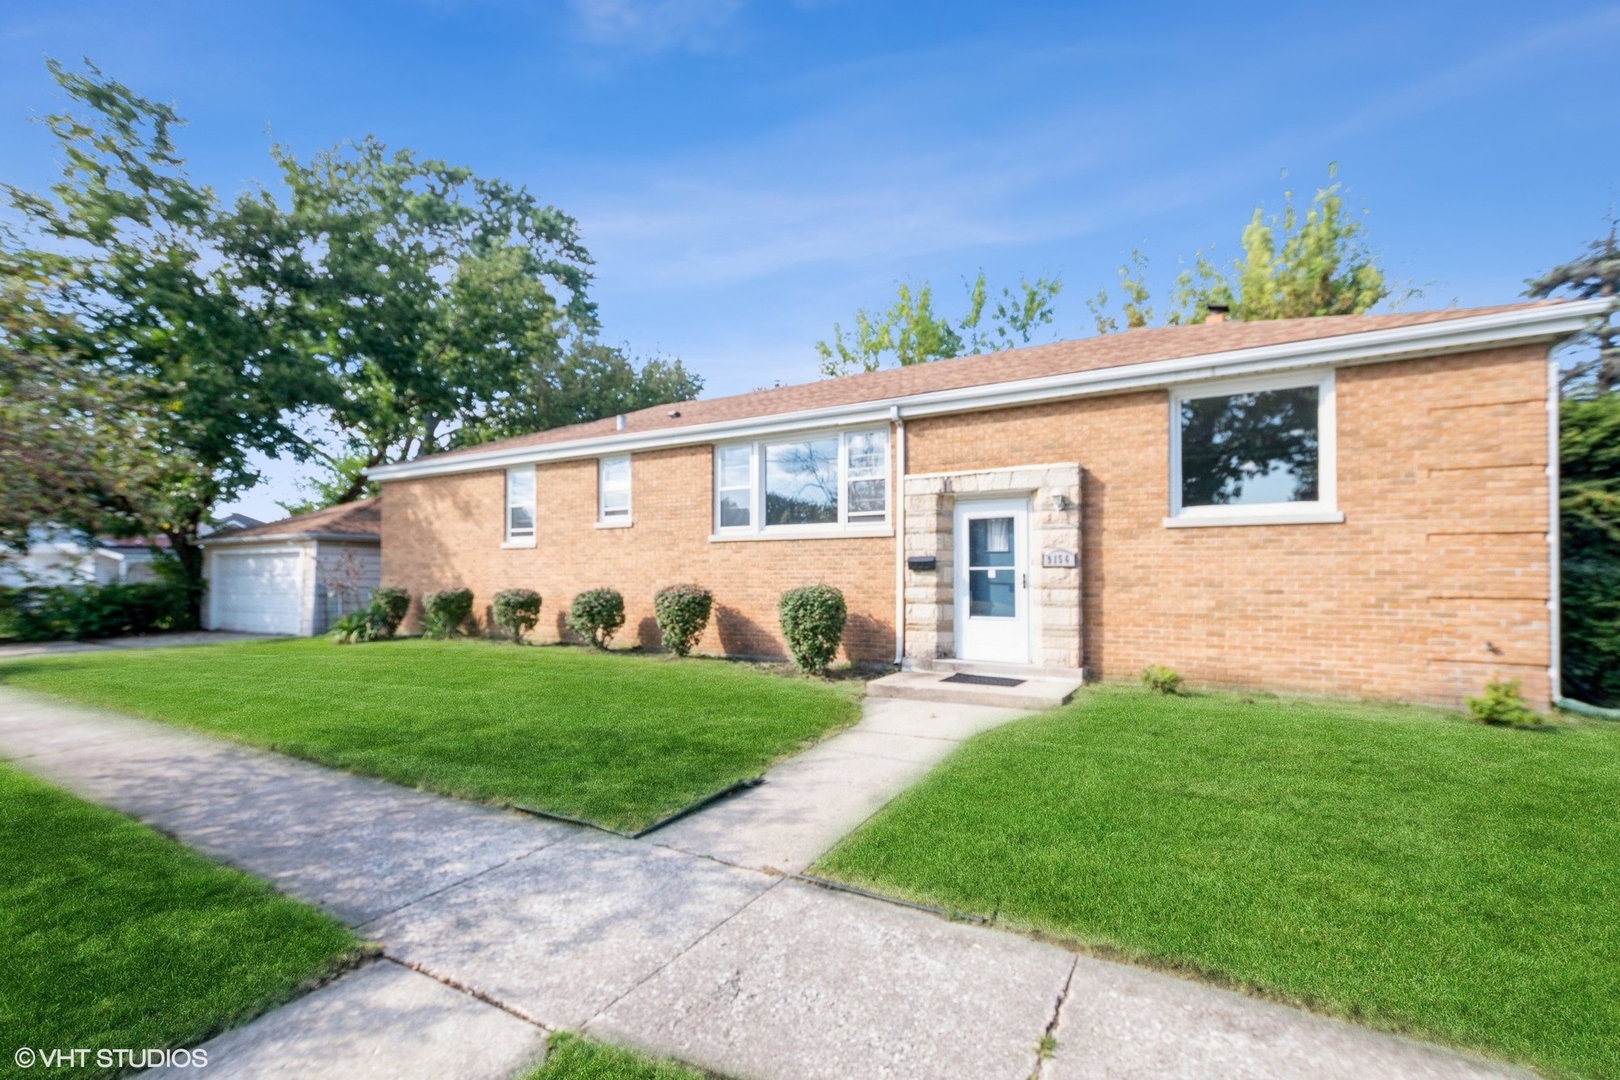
[[115, 937], [569, 1057], [618, 739], [1401, 867]]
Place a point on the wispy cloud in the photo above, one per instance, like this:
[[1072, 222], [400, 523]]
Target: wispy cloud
[[875, 180], [655, 25]]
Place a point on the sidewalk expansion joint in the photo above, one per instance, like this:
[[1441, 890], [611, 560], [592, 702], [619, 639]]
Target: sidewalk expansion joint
[[463, 988], [456, 884]]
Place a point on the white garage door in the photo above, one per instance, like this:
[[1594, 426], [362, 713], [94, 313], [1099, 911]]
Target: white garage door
[[260, 592]]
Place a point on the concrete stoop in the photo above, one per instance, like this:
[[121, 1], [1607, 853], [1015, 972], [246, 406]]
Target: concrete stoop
[[1043, 691]]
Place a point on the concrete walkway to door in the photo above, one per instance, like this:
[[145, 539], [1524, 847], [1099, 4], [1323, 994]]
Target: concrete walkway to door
[[497, 928]]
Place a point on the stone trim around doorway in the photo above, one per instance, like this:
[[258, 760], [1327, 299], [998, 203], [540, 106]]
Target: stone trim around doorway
[[930, 509]]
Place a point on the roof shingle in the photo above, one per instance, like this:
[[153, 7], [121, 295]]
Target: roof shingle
[[1059, 358]]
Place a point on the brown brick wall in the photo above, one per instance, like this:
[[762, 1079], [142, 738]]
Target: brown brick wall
[[1436, 580], [443, 532]]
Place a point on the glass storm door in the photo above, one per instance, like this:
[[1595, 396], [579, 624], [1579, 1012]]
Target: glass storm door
[[992, 581]]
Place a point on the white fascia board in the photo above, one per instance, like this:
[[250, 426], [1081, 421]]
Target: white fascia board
[[283, 538], [1503, 328]]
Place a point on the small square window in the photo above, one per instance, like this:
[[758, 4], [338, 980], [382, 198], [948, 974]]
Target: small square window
[[614, 489]]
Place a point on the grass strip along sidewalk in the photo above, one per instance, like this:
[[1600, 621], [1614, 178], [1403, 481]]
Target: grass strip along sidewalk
[[618, 740], [118, 938], [1400, 867], [570, 1057]]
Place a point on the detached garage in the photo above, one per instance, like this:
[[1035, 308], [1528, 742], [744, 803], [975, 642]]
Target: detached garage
[[296, 576]]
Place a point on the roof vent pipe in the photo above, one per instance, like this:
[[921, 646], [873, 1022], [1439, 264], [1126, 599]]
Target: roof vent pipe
[[621, 422], [1217, 313]]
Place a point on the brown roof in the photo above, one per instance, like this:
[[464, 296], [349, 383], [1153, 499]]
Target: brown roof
[[361, 520], [1059, 358]]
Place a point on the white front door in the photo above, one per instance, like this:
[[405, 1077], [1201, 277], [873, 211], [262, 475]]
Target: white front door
[[992, 580]]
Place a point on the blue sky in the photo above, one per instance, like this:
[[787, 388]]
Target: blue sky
[[745, 174]]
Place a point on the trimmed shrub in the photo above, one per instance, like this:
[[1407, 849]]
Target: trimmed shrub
[[813, 622], [75, 612], [682, 612], [596, 615], [388, 606], [1161, 679], [1501, 704], [516, 611], [444, 612]]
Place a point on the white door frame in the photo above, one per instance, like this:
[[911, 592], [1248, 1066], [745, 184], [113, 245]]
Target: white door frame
[[994, 639]]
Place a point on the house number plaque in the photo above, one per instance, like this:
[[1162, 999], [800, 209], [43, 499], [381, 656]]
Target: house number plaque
[[1059, 557]]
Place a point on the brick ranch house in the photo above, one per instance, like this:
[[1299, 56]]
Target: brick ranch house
[[1357, 505]]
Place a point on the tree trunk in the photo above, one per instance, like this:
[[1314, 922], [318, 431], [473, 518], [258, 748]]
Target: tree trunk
[[189, 554]]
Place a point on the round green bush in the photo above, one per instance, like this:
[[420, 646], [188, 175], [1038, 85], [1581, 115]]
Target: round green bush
[[596, 615], [682, 612], [516, 611], [388, 606], [444, 612], [813, 623]]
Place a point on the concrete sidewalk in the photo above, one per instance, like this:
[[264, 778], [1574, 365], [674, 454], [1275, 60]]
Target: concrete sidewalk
[[810, 802], [134, 641], [498, 927]]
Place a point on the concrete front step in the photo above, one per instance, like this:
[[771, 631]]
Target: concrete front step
[[1033, 692]]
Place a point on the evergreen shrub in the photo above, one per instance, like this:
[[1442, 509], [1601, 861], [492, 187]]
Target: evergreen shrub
[[682, 612], [596, 615], [813, 620]]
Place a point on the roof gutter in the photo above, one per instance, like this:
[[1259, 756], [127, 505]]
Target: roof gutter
[[1520, 326], [267, 538]]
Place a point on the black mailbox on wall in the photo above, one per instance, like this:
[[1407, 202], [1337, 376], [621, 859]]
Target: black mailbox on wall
[[921, 562]]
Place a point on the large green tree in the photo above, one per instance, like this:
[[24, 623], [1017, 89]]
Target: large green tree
[[909, 331], [1292, 265], [66, 459], [445, 308], [1589, 495], [165, 304], [1593, 275]]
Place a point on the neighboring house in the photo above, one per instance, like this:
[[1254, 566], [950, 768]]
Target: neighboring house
[[1358, 505], [62, 557], [294, 576]]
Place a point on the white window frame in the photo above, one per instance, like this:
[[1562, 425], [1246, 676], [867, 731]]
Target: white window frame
[[606, 519], [756, 529], [518, 538], [1324, 510]]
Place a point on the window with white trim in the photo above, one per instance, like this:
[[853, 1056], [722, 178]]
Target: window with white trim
[[520, 503], [613, 490], [807, 484], [866, 476], [1253, 451], [734, 487]]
